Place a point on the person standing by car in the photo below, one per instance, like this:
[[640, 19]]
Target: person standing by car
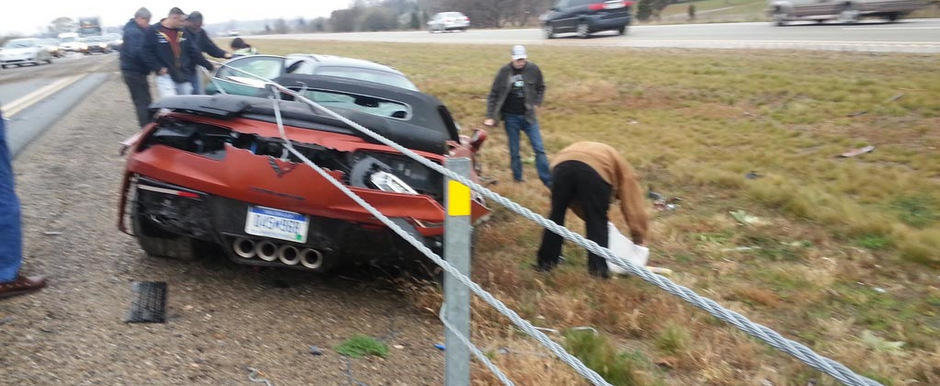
[[169, 51], [517, 91], [240, 48], [202, 42], [586, 176], [12, 283], [133, 68]]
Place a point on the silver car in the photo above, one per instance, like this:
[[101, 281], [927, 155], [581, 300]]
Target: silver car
[[847, 11], [448, 21], [24, 51]]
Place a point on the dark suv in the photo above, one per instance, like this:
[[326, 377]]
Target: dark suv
[[585, 17]]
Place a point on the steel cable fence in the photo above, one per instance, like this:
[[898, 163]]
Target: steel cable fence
[[774, 339]]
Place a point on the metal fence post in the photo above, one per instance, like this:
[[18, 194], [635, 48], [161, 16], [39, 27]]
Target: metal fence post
[[457, 230]]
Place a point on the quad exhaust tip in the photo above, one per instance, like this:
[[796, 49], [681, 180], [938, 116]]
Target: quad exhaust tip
[[266, 250], [311, 258], [269, 251], [288, 254], [244, 248]]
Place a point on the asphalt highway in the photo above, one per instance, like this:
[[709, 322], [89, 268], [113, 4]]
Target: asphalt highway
[[911, 36]]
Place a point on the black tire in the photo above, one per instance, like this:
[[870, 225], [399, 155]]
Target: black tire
[[49, 61], [893, 17], [3, 66], [583, 30], [622, 30], [549, 31], [157, 243]]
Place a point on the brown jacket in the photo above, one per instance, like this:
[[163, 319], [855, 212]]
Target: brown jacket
[[614, 169]]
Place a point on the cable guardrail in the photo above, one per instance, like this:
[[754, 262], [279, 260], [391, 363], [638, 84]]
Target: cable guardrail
[[475, 350], [769, 336]]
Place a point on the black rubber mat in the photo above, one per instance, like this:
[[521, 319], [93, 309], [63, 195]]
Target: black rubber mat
[[149, 306]]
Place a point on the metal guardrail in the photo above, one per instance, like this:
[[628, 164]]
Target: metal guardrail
[[774, 339]]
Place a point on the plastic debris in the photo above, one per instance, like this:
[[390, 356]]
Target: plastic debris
[[752, 175], [316, 350], [857, 113], [653, 195], [859, 151], [879, 290], [399, 347], [746, 219], [51, 233], [440, 346]]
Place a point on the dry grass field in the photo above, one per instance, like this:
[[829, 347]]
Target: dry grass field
[[843, 255]]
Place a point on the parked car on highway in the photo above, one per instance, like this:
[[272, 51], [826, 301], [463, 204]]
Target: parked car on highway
[[585, 17], [114, 41], [271, 67], [448, 21], [52, 45], [849, 11], [70, 42], [99, 44], [214, 171], [23, 51]]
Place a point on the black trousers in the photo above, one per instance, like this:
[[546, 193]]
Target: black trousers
[[577, 182], [140, 95]]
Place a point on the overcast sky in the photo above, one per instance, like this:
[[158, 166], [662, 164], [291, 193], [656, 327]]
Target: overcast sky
[[31, 16]]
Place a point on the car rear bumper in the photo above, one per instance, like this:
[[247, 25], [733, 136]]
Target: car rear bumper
[[166, 212], [599, 23]]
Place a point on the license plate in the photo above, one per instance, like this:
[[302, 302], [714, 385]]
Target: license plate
[[276, 223]]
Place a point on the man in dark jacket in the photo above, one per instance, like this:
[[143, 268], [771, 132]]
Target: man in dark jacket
[[516, 92], [169, 52], [203, 44], [133, 68]]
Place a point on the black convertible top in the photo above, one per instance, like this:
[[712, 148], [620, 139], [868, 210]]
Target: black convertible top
[[428, 127]]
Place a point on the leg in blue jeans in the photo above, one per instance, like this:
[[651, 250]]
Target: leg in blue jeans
[[541, 161], [11, 237], [514, 123]]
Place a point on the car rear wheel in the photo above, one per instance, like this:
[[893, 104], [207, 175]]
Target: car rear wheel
[[157, 243], [549, 31], [622, 30], [583, 31], [780, 17]]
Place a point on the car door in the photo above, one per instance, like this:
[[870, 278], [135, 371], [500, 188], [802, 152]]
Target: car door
[[230, 78], [573, 13]]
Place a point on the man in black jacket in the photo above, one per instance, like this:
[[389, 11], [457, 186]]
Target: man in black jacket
[[203, 44], [516, 92], [169, 51], [133, 68]]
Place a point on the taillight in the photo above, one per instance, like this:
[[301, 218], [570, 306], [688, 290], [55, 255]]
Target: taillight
[[628, 3], [596, 6]]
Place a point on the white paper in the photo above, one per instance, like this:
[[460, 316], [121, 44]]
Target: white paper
[[625, 249]]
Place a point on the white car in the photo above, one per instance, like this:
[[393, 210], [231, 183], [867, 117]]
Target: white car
[[71, 43], [22, 51], [448, 21]]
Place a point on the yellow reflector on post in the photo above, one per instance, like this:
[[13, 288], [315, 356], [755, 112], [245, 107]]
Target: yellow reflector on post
[[458, 199]]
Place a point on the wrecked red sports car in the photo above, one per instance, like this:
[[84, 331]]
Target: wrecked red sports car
[[214, 170]]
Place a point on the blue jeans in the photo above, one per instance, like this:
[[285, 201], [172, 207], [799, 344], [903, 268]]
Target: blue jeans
[[11, 236], [196, 81], [514, 125]]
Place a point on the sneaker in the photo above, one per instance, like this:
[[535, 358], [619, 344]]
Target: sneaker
[[22, 285]]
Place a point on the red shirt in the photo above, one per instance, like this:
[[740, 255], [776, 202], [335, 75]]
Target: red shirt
[[172, 36]]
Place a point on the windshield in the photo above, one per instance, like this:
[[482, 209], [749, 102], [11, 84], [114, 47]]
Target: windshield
[[387, 78], [20, 44], [370, 105]]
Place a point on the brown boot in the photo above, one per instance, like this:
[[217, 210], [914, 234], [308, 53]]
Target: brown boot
[[22, 285]]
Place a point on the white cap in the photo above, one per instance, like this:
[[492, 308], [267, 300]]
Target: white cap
[[518, 52]]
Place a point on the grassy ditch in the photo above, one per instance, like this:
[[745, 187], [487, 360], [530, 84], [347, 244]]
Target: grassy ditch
[[842, 256]]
